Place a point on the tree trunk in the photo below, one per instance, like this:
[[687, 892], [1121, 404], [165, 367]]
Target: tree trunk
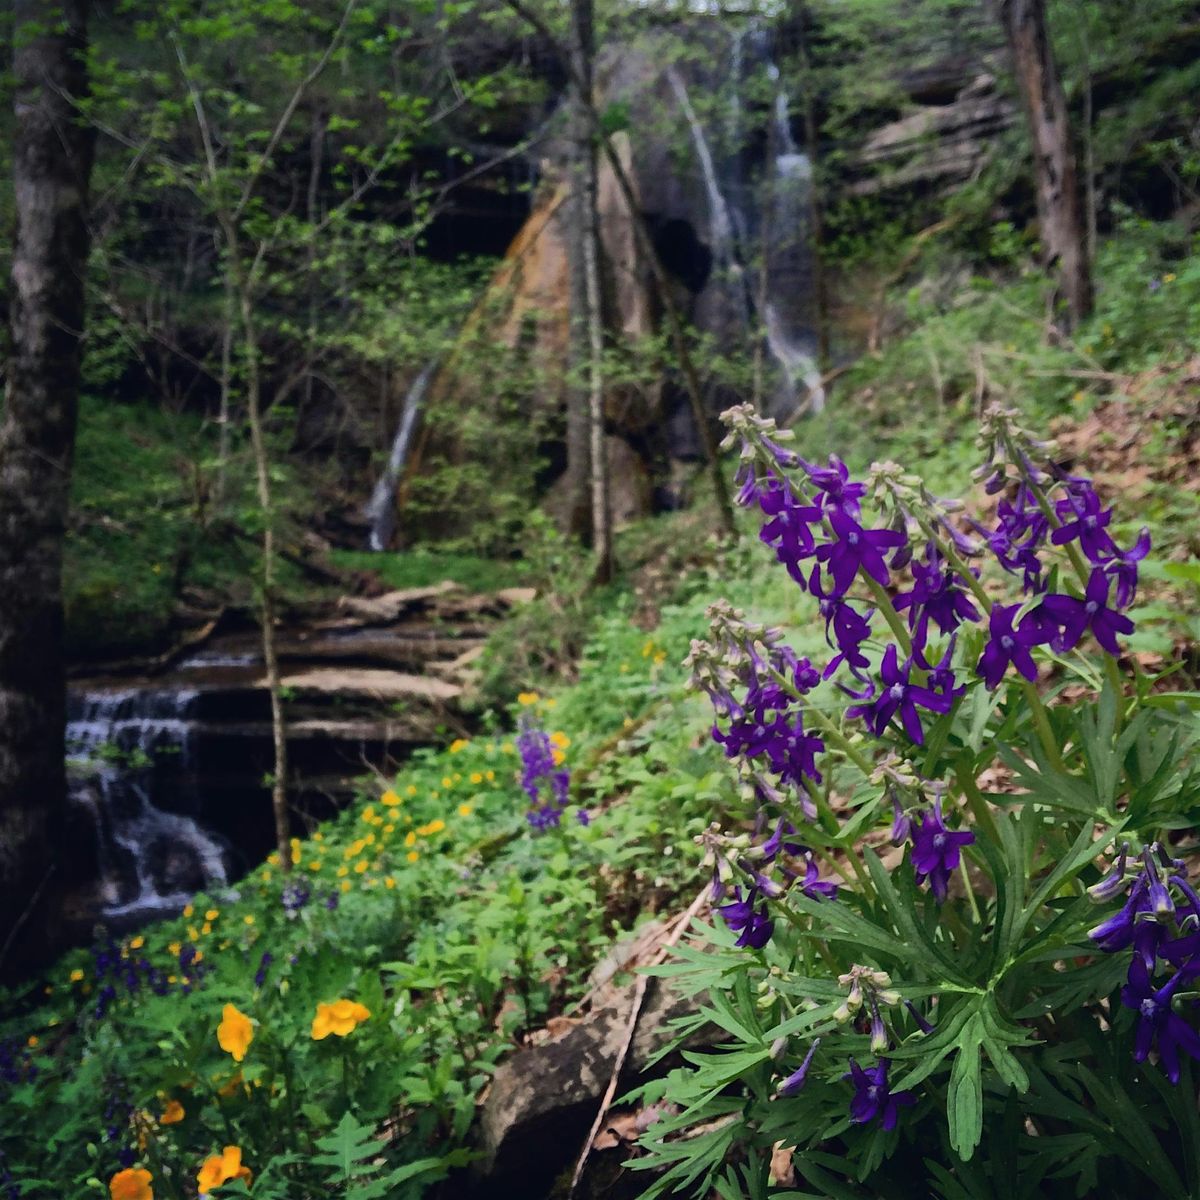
[[584, 51], [575, 216], [1064, 246], [52, 153], [262, 471], [816, 212]]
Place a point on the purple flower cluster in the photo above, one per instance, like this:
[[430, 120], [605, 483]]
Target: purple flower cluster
[[114, 974], [16, 1063], [1160, 922], [874, 1099], [545, 782], [936, 850], [294, 896]]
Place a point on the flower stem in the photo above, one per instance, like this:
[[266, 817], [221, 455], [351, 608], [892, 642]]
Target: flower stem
[[977, 804], [884, 603]]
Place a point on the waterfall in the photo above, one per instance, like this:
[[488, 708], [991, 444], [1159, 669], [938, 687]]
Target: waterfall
[[381, 508], [151, 861], [723, 222], [788, 315]]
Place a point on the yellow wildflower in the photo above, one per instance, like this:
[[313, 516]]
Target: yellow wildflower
[[187, 912], [76, 975], [198, 956], [476, 777], [360, 866], [412, 856], [273, 859], [235, 1032], [318, 836], [1169, 277], [458, 744], [388, 830], [248, 919], [172, 1113], [436, 825], [133, 1183], [343, 871], [389, 883], [368, 814], [648, 649], [464, 810], [508, 748], [345, 885], [410, 839], [558, 756], [447, 782], [660, 658], [137, 943], [175, 948], [211, 915], [411, 790], [390, 799], [339, 1018], [527, 698], [206, 928], [370, 839], [221, 1168], [490, 776], [551, 702], [315, 865], [193, 933], [33, 1041]]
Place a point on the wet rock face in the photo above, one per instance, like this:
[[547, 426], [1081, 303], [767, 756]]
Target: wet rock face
[[544, 1098]]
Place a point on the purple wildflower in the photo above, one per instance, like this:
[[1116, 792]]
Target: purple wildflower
[[936, 595], [260, 976], [850, 629], [837, 490], [1074, 617], [899, 695], [1123, 567], [748, 918], [538, 769], [814, 887], [1083, 520], [873, 1099], [852, 549], [1157, 1020], [1019, 534], [796, 1080], [1011, 644], [936, 850]]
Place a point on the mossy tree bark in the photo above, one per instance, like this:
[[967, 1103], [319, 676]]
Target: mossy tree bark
[[1060, 217], [52, 155]]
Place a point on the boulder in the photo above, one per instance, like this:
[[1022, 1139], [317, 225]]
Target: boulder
[[543, 1099]]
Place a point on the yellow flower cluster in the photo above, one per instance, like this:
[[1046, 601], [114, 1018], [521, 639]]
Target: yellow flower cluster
[[235, 1032], [131, 1184], [221, 1168], [339, 1018]]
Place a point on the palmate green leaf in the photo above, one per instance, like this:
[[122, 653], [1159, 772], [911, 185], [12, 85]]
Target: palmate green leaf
[[1050, 787], [914, 936], [964, 1097], [838, 922]]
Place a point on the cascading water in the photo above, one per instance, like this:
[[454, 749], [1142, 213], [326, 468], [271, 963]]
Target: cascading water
[[151, 861], [788, 310], [381, 508], [722, 227]]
